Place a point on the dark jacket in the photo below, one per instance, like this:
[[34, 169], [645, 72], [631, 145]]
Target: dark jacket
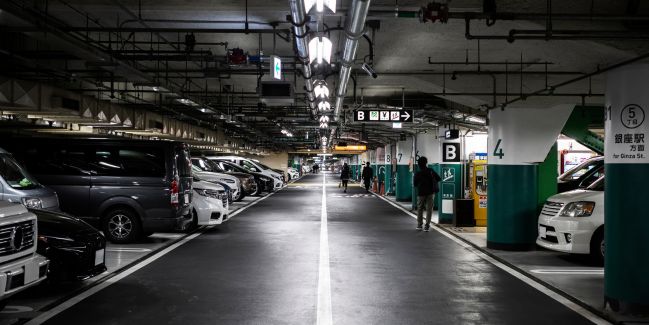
[[426, 181], [367, 173], [344, 174]]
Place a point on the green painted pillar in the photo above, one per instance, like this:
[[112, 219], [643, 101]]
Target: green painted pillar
[[450, 189], [547, 177], [403, 186], [626, 284], [519, 142]]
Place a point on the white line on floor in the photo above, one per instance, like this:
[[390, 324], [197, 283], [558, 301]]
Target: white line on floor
[[517, 274], [324, 276], [128, 250], [78, 298], [569, 271]]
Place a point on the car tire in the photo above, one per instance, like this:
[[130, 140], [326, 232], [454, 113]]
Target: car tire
[[258, 190], [121, 226], [194, 223], [597, 246], [239, 196]]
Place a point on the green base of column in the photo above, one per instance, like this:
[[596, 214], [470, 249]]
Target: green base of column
[[627, 247], [512, 207], [388, 179], [403, 183]]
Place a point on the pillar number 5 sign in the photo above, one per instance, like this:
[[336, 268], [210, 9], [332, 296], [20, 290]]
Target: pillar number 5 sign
[[627, 128]]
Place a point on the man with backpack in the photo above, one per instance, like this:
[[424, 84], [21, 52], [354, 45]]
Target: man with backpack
[[368, 174], [427, 183]]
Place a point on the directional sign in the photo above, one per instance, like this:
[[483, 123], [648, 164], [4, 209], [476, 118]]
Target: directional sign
[[276, 67], [383, 116]]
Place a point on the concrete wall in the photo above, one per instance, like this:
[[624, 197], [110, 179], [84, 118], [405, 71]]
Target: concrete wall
[[277, 160]]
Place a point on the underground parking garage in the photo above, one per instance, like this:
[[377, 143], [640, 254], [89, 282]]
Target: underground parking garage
[[323, 162]]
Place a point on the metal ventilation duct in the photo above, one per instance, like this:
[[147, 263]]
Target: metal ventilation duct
[[354, 29], [299, 18]]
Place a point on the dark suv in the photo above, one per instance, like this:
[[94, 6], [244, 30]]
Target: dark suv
[[127, 187]]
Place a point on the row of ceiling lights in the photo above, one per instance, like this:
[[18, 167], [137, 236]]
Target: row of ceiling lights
[[320, 49]]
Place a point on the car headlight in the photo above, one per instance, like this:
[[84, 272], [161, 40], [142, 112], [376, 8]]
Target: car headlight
[[578, 209], [227, 180], [32, 203], [200, 191], [56, 241], [277, 177]]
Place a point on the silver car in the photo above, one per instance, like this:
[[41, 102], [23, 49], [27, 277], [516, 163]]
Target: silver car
[[16, 185]]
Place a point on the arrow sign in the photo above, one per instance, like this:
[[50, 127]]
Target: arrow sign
[[365, 115]]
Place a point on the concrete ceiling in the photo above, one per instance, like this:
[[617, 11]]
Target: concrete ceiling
[[402, 50]]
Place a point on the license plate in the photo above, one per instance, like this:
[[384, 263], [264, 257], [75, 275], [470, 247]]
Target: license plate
[[99, 257], [186, 198], [542, 231]]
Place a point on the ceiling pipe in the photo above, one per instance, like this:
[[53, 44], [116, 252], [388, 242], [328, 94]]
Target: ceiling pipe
[[354, 30], [299, 21]]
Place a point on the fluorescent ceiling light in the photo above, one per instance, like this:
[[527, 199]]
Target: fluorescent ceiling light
[[320, 50], [324, 119], [324, 106], [321, 90], [324, 125], [319, 5]]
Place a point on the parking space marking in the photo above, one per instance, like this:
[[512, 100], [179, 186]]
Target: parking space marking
[[128, 249], [570, 271], [324, 275], [43, 317], [596, 319]]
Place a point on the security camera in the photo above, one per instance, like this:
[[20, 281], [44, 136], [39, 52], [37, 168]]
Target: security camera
[[370, 71]]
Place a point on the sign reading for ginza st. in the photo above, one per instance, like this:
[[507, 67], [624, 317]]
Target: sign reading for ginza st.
[[627, 134], [383, 116]]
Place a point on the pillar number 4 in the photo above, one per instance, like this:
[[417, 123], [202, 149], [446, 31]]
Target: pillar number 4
[[498, 151]]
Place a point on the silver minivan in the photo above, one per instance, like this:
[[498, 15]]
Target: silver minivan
[[16, 185]]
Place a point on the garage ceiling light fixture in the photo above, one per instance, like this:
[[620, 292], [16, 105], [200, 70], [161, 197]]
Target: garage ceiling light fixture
[[321, 90], [324, 125], [324, 119], [324, 106], [320, 50], [320, 5]]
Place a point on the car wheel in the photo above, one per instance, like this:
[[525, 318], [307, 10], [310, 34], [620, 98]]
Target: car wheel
[[194, 223], [239, 195], [258, 190], [122, 226], [242, 193], [597, 247]]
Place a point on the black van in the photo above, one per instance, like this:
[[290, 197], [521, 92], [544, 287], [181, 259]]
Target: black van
[[127, 187]]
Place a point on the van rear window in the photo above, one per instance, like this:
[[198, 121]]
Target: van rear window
[[129, 161]]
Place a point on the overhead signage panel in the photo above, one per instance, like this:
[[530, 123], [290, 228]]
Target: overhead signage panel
[[360, 147], [395, 116], [276, 67]]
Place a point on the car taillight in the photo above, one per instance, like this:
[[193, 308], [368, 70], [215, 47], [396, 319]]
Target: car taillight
[[174, 192]]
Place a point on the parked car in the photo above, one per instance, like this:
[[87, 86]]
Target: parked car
[[210, 204], [254, 167], [264, 183], [76, 250], [17, 185], [20, 266], [247, 181], [128, 188], [293, 174], [582, 175], [231, 183], [573, 222]]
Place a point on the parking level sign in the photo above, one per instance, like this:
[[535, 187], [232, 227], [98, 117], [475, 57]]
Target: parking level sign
[[383, 116]]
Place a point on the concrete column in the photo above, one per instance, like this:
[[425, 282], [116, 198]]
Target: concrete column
[[626, 190], [404, 158], [427, 146], [389, 159], [380, 167], [519, 139]]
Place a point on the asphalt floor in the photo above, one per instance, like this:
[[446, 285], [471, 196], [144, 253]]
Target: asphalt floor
[[265, 267]]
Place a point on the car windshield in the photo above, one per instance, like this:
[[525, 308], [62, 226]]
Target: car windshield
[[231, 167], [580, 170], [214, 166], [598, 185], [250, 166], [262, 165], [15, 175], [200, 163]]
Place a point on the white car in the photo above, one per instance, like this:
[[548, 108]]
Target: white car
[[573, 222], [209, 203], [293, 173], [253, 167], [231, 181]]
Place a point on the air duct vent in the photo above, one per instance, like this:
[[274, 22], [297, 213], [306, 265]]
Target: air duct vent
[[276, 93]]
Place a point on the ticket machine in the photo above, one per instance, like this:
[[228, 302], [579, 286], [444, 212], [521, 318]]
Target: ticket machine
[[478, 178]]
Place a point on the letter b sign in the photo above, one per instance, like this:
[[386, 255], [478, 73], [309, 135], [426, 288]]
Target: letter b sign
[[451, 152]]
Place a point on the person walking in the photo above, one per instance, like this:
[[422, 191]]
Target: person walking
[[367, 176], [344, 176], [427, 183]]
